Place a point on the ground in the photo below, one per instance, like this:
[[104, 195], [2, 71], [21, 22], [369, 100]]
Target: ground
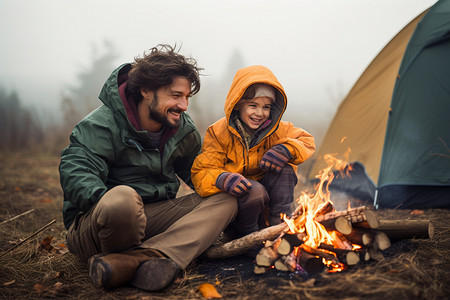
[[35, 264]]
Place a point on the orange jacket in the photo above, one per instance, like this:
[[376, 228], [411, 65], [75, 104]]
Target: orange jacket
[[224, 150]]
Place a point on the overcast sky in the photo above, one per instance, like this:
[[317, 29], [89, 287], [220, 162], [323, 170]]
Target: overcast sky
[[317, 49]]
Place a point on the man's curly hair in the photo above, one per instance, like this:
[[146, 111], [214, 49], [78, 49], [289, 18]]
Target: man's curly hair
[[158, 68]]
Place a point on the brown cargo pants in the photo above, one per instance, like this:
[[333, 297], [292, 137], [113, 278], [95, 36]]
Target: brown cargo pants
[[181, 228]]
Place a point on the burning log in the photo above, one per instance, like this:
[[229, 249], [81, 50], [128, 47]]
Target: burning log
[[360, 236], [359, 217], [338, 223], [348, 257], [407, 229], [289, 242], [327, 256], [310, 263]]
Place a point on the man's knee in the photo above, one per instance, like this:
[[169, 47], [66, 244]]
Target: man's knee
[[121, 204], [223, 203]]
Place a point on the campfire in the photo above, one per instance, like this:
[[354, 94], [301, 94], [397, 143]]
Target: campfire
[[317, 237]]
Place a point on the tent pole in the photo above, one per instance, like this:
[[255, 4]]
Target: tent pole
[[375, 199]]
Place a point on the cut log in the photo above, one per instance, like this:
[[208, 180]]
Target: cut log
[[360, 237], [267, 255], [289, 242], [260, 269], [286, 262], [245, 243], [338, 223], [375, 254], [381, 240], [407, 229], [280, 266], [359, 217], [325, 209], [363, 254], [310, 263]]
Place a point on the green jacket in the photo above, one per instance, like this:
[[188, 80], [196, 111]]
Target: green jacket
[[106, 150]]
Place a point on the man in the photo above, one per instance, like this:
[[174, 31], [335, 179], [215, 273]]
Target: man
[[120, 177]]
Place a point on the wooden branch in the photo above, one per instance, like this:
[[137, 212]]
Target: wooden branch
[[407, 229], [245, 243], [28, 238], [18, 216]]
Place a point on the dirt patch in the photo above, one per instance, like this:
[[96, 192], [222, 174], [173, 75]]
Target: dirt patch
[[411, 269]]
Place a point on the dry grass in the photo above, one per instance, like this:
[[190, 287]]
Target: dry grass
[[412, 269]]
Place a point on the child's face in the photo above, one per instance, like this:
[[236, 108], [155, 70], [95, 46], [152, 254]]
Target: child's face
[[255, 112]]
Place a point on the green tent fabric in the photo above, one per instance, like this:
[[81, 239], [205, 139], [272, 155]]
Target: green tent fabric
[[415, 166], [396, 118]]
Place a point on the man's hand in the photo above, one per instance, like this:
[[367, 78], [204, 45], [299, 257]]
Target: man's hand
[[275, 158], [233, 183]]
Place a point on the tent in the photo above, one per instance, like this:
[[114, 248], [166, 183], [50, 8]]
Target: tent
[[396, 118]]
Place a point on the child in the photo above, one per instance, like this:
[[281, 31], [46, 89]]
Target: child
[[251, 154]]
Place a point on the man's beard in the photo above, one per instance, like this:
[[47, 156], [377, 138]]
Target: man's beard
[[157, 116]]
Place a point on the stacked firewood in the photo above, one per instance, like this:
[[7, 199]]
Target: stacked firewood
[[358, 236]]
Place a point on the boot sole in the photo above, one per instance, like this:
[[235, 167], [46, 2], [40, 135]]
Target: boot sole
[[155, 274], [100, 272]]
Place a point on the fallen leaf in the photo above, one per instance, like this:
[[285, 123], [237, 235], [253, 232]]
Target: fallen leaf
[[45, 200], [58, 287], [208, 291], [394, 271], [17, 189], [39, 288], [416, 212], [46, 244]]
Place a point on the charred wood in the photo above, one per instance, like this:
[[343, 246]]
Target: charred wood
[[348, 257], [310, 263]]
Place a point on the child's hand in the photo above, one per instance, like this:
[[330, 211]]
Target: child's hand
[[233, 183], [275, 158]]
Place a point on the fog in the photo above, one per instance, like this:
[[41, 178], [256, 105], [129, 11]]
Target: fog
[[317, 49]]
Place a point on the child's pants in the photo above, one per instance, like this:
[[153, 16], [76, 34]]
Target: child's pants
[[274, 191]]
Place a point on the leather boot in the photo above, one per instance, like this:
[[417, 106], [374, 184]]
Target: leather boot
[[117, 269]]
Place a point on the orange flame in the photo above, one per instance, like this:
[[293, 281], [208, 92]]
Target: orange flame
[[311, 204]]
